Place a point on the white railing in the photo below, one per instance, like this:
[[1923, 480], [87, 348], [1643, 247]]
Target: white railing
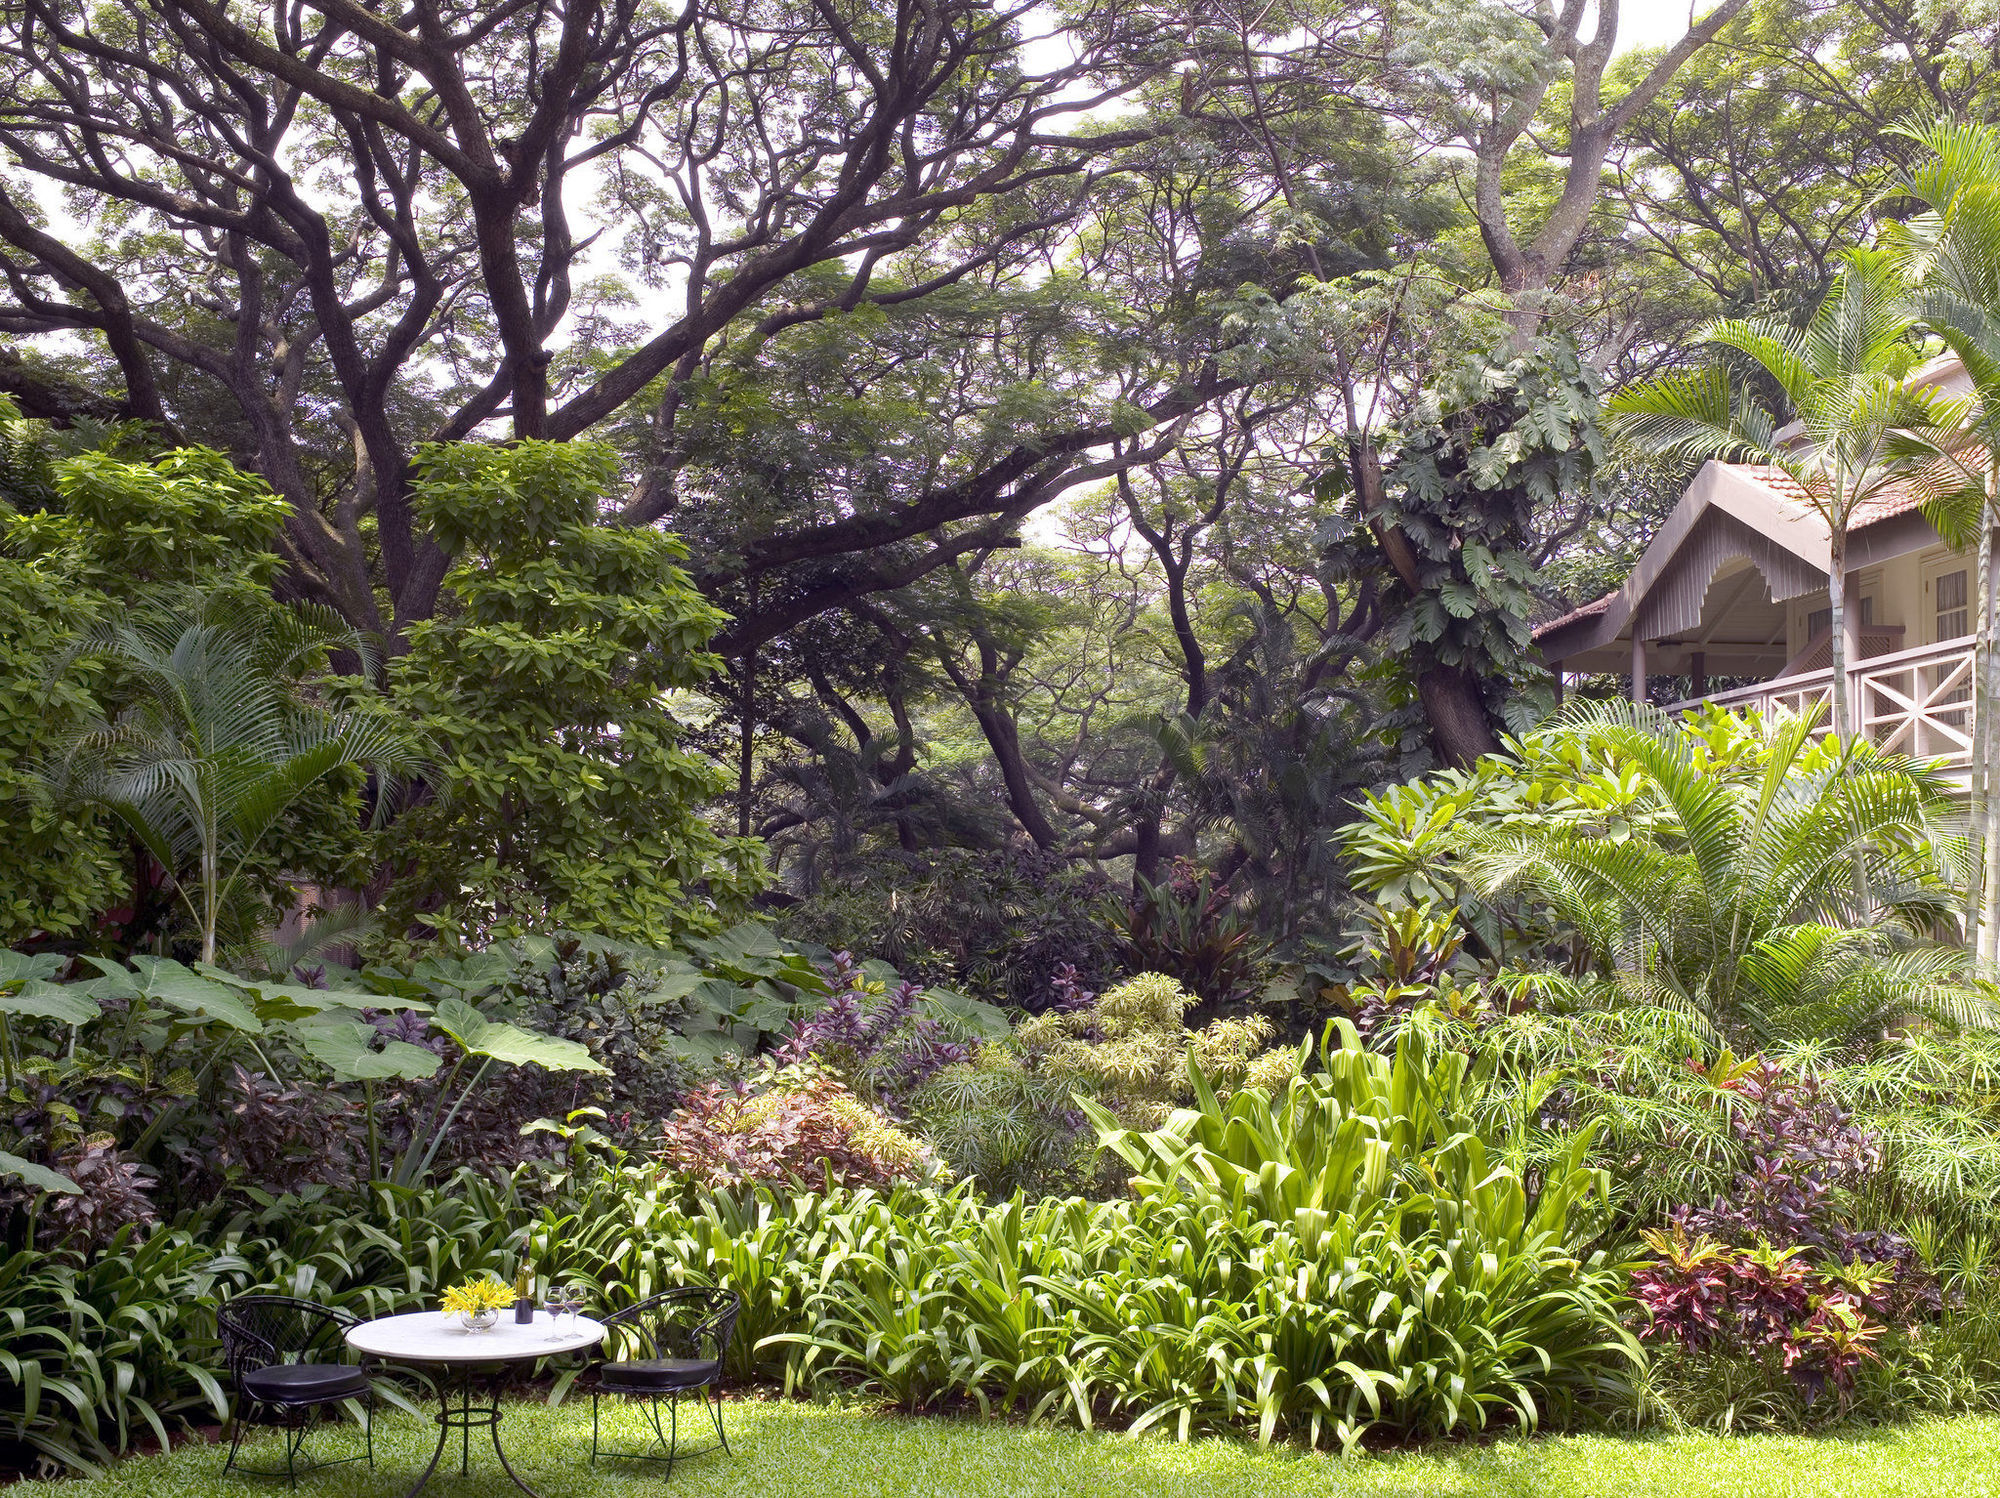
[[1915, 702]]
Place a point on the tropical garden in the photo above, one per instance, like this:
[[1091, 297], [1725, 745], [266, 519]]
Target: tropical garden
[[881, 657]]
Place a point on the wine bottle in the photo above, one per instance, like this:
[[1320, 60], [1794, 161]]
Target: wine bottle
[[524, 1295]]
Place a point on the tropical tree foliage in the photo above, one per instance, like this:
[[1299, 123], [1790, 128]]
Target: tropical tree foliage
[[560, 794], [217, 739]]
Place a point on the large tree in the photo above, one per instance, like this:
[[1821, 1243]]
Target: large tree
[[329, 234], [1520, 103]]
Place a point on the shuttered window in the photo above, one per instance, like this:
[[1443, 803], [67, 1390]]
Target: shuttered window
[[1954, 617]]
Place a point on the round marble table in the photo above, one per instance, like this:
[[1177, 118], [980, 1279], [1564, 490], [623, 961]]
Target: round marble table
[[438, 1340]]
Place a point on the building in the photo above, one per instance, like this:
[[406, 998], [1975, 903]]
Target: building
[[1731, 595]]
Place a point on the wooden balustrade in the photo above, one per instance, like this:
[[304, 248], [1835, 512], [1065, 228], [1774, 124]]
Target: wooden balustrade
[[1915, 702]]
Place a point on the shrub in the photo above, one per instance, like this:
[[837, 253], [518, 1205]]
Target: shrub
[[1806, 1156], [1759, 1302], [563, 794], [1767, 881], [104, 1347], [802, 1129], [1131, 1051], [1189, 928], [890, 1049], [1009, 1115]]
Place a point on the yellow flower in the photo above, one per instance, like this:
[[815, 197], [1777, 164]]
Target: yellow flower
[[478, 1295]]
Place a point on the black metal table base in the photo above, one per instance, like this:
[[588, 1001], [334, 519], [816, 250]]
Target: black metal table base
[[462, 1417]]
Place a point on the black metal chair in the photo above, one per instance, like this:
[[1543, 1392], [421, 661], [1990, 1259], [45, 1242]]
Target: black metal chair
[[663, 1348], [280, 1354]]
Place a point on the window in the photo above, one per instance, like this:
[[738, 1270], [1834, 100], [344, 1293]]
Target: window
[[1953, 614]]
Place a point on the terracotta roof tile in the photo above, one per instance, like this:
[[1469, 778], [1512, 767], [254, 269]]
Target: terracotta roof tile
[[1898, 497]]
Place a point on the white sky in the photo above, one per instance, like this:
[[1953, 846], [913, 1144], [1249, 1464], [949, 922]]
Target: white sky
[[1655, 23]]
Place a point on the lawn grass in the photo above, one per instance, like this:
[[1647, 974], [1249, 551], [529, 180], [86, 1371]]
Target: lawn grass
[[804, 1451]]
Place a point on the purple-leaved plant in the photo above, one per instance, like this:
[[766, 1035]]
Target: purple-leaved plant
[[883, 1044]]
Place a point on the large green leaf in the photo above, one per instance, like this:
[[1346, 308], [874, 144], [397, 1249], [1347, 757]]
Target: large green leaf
[[345, 1048], [182, 989], [38, 1176], [677, 981], [479, 1036], [703, 1045], [275, 1001], [20, 967], [36, 999], [983, 1019]]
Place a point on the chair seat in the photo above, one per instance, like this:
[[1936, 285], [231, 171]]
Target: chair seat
[[305, 1383], [650, 1375]]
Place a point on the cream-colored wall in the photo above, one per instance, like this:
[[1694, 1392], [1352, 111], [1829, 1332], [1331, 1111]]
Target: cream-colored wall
[[1898, 588]]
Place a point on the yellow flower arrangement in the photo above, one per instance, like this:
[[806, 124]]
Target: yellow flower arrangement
[[474, 1296]]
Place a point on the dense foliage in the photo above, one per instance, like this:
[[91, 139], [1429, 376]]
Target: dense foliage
[[1426, 1299], [561, 793], [1059, 878]]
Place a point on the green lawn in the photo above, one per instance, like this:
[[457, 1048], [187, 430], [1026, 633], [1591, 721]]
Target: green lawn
[[787, 1449]]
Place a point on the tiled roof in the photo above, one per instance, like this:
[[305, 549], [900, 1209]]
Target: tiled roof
[[1897, 497]]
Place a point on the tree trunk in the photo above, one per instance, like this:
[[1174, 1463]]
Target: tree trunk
[[746, 745], [1836, 597], [1979, 788], [1454, 706], [1986, 679], [1003, 737]]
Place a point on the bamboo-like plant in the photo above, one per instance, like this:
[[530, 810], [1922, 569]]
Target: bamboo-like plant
[[1845, 378], [219, 738]]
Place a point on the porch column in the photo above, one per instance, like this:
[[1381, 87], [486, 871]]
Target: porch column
[[1638, 668], [1698, 674]]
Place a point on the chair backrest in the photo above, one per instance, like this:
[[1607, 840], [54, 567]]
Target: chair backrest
[[260, 1330], [691, 1321]]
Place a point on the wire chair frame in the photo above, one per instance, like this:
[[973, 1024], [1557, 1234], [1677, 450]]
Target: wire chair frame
[[692, 1323], [269, 1331]]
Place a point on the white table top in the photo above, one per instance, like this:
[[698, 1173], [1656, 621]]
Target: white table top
[[435, 1337]]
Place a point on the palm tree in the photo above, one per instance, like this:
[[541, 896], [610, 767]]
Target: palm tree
[[220, 737], [1951, 254], [1795, 894], [1843, 375]]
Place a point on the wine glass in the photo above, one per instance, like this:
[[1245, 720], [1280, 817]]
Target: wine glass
[[557, 1300], [572, 1304]]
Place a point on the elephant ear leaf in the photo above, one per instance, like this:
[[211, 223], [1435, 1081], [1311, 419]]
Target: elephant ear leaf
[[283, 1001], [196, 997], [479, 1036], [37, 999], [974, 1015], [20, 967], [343, 1048], [38, 1176]]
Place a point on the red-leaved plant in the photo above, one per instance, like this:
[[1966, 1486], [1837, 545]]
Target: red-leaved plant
[[804, 1131], [1707, 1296]]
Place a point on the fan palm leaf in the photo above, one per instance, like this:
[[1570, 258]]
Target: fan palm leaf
[[1799, 895], [218, 738]]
